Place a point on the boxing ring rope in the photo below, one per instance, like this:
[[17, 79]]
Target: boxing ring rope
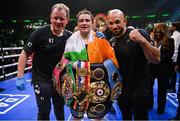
[[10, 56], [3, 58]]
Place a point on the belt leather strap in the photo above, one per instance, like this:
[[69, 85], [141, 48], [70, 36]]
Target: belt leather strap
[[114, 77]]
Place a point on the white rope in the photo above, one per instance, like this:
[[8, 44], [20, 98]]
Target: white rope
[[8, 65], [14, 64], [15, 72], [10, 56], [3, 57], [12, 48]]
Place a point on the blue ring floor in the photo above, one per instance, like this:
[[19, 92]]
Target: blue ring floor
[[21, 105]]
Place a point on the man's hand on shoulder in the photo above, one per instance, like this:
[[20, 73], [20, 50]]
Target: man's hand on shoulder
[[100, 35]]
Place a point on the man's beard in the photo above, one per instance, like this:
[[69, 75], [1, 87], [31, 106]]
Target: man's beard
[[119, 32]]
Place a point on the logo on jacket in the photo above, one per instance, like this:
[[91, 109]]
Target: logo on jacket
[[29, 44], [51, 40]]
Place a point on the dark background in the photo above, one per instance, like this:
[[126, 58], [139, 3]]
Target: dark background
[[18, 18], [41, 8]]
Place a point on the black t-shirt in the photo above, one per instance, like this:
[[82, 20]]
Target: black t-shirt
[[133, 65], [108, 34], [48, 50]]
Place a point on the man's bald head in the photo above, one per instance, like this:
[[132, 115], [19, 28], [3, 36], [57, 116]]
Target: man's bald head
[[117, 11], [116, 22]]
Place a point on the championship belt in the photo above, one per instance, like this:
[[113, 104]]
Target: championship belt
[[67, 86], [98, 74], [99, 88], [81, 93], [89, 90], [114, 78], [97, 111], [99, 93], [57, 73], [99, 108]]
